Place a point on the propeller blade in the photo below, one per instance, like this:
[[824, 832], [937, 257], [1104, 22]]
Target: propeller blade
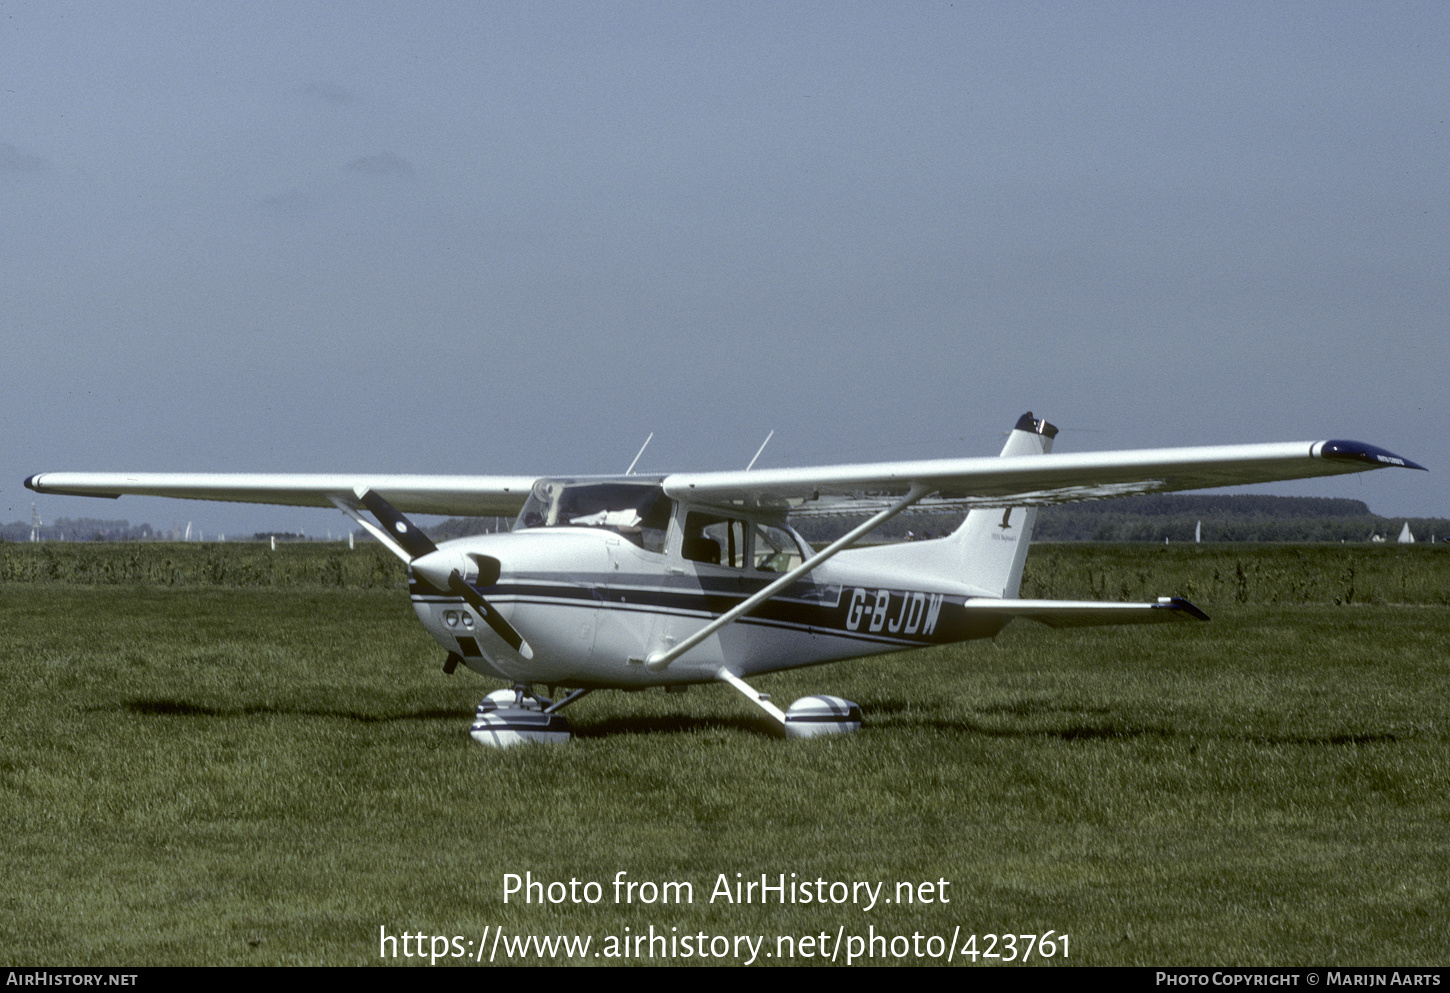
[[491, 617], [404, 531]]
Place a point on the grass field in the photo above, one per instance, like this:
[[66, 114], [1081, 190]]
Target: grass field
[[203, 767]]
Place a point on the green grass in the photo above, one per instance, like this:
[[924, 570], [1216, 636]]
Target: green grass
[[1241, 573], [227, 775], [243, 564]]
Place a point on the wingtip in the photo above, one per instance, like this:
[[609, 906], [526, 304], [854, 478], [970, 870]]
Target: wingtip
[[1359, 451], [34, 483], [1183, 606]]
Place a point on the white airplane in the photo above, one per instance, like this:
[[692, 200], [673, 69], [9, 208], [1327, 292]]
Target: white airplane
[[628, 582]]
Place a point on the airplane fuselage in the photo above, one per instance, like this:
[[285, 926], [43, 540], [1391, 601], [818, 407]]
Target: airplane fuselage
[[590, 601]]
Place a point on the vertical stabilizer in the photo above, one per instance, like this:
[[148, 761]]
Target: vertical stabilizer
[[993, 542]]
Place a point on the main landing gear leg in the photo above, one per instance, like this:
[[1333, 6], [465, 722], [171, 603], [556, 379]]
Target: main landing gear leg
[[807, 717]]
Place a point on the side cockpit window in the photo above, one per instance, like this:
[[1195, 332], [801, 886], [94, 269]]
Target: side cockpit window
[[714, 539], [719, 539]]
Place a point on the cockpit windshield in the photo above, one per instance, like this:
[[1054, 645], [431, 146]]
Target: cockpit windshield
[[638, 511]]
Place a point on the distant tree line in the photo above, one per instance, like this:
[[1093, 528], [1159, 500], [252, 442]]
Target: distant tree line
[[94, 529], [1176, 517], [462, 527]]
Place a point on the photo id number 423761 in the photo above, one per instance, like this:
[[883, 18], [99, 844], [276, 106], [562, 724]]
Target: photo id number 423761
[[1015, 947]]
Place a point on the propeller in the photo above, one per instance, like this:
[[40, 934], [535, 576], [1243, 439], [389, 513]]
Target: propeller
[[457, 572]]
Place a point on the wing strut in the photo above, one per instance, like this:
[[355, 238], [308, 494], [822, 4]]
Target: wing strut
[[761, 700], [417, 543], [658, 660]]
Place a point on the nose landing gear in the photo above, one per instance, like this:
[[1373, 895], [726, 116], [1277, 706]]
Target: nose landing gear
[[512, 717]]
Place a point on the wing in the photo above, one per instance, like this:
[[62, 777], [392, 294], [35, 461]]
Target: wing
[[462, 496], [1027, 480], [1019, 481]]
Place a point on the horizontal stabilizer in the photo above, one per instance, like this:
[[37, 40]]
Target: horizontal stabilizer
[[1087, 613]]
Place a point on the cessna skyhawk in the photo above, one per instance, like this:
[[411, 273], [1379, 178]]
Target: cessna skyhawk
[[628, 582]]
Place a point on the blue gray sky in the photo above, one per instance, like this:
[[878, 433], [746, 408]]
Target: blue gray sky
[[519, 237]]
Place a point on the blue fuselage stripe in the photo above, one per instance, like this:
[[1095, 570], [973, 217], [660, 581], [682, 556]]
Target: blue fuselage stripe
[[876, 616]]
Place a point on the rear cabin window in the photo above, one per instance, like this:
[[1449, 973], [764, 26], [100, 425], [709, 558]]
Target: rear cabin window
[[776, 549]]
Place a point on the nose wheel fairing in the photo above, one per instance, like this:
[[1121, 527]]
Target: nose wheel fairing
[[516, 717]]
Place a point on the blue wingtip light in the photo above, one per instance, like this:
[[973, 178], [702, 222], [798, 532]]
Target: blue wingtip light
[[1358, 451]]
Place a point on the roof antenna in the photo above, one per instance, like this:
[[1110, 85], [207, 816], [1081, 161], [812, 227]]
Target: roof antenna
[[630, 470], [761, 449]]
